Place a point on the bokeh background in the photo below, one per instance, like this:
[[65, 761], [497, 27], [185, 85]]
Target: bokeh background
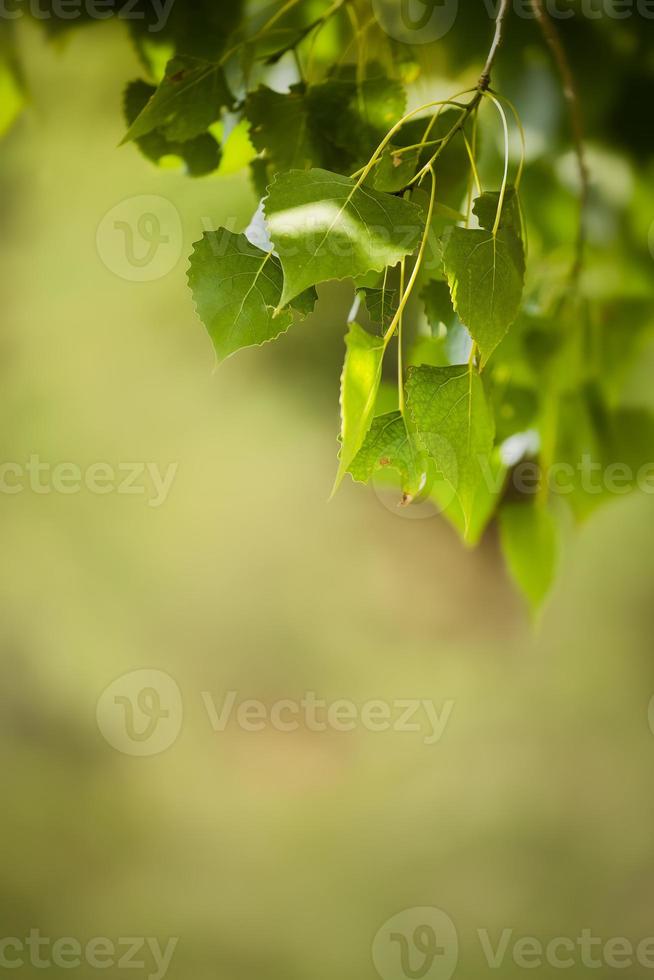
[[276, 855]]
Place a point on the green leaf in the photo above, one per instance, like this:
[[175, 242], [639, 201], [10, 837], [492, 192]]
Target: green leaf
[[529, 537], [485, 208], [381, 304], [236, 289], [389, 445], [438, 306], [280, 127], [324, 226], [189, 99], [354, 114], [394, 170], [335, 124], [202, 154], [455, 426], [200, 28], [359, 386], [488, 493], [486, 276]]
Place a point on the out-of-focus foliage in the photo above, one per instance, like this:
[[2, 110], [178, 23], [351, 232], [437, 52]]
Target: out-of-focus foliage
[[311, 96]]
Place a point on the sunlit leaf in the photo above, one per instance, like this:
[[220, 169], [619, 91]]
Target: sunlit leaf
[[359, 385], [324, 226]]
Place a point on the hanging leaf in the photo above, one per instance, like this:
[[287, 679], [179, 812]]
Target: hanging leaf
[[201, 154], [389, 445], [189, 99], [486, 277], [395, 169], [381, 304], [280, 127], [454, 425], [324, 226], [438, 306], [529, 537], [236, 289], [485, 208], [359, 386]]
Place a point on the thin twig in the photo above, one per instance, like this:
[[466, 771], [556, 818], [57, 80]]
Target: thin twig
[[500, 22], [573, 99]]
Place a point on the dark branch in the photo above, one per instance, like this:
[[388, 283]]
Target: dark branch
[[573, 99], [485, 77]]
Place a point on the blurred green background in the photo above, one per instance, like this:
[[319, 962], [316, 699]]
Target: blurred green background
[[274, 855]]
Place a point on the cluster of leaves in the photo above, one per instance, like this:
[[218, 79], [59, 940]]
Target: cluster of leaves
[[499, 360]]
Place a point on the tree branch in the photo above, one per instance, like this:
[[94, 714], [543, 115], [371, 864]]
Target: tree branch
[[573, 99], [485, 77]]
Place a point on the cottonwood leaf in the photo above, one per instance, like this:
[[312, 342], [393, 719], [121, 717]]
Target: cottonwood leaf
[[485, 208], [333, 124], [394, 169], [389, 445], [488, 493], [455, 427], [438, 306], [381, 304], [486, 277], [280, 127], [324, 226], [202, 154], [236, 289], [200, 28], [359, 386], [353, 113], [529, 537], [189, 99]]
